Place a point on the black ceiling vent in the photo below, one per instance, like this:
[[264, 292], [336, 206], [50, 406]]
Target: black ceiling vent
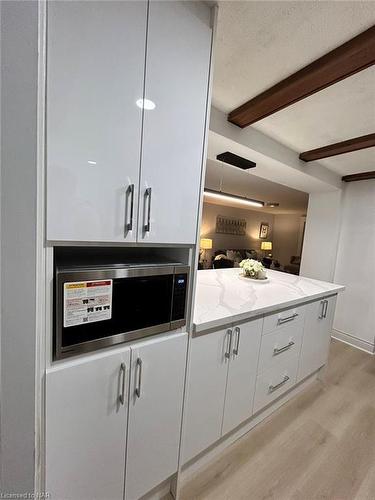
[[236, 161]]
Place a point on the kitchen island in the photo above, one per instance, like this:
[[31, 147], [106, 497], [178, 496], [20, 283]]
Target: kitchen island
[[254, 346], [224, 295]]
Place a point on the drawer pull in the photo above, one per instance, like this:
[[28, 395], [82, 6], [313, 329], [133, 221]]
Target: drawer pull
[[277, 350], [281, 321], [273, 388]]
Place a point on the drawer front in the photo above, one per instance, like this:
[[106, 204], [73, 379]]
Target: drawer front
[[280, 345], [280, 319], [273, 383]]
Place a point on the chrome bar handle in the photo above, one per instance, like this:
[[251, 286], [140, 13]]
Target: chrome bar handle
[[326, 308], [229, 344], [321, 315], [273, 388], [121, 397], [281, 321], [139, 383], [278, 351], [237, 331], [147, 226], [130, 192]]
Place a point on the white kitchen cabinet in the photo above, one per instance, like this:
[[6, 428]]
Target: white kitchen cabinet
[[220, 387], [242, 373], [86, 415], [317, 336], [98, 67], [204, 406], [177, 71], [280, 344], [95, 74], [155, 412], [274, 382]]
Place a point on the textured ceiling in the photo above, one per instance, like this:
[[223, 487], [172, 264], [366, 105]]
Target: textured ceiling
[[220, 176], [259, 43]]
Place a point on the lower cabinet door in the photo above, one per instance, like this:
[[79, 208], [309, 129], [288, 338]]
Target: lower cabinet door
[[86, 415], [317, 336], [155, 412], [204, 406], [242, 374]]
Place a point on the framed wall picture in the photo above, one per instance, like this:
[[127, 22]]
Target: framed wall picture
[[264, 230]]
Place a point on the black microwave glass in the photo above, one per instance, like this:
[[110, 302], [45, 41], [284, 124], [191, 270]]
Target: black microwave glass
[[131, 303]]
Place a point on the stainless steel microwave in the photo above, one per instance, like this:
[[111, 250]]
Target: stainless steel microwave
[[96, 307]]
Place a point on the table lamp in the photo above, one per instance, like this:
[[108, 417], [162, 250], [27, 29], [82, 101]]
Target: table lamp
[[266, 245], [205, 244]]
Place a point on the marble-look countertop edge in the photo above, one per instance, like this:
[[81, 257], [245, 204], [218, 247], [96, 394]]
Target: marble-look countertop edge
[[225, 320]]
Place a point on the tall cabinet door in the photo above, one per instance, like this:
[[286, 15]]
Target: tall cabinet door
[[204, 406], [242, 374], [86, 415], [177, 70], [316, 336], [95, 75], [155, 413]]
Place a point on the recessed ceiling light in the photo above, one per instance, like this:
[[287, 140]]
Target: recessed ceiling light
[[145, 104], [218, 195]]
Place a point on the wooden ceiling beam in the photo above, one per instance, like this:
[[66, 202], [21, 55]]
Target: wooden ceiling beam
[[339, 148], [363, 176], [346, 60]]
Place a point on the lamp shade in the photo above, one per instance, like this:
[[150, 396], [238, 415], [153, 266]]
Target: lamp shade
[[266, 245], [206, 243]]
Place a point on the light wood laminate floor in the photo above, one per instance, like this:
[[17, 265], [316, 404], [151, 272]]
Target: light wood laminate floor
[[320, 445]]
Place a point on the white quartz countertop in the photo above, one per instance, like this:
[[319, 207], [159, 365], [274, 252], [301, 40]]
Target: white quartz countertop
[[223, 296]]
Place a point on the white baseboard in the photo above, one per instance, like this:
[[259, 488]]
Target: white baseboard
[[353, 341]]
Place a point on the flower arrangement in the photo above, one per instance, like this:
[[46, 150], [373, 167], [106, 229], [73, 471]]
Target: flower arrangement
[[253, 269]]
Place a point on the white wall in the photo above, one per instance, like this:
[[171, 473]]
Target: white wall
[[228, 241], [19, 55], [321, 235], [355, 268], [286, 237]]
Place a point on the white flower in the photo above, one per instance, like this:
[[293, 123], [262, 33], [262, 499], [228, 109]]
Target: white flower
[[251, 267]]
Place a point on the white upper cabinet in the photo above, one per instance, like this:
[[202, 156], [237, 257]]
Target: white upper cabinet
[[95, 75], [101, 173], [177, 71], [86, 414]]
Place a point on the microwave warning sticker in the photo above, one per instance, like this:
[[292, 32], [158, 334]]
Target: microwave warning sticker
[[87, 302]]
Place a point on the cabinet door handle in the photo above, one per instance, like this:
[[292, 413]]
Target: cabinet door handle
[[237, 331], [122, 375], [229, 343], [325, 308], [321, 315], [139, 382], [281, 321], [273, 388], [147, 226], [278, 351], [129, 192]]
